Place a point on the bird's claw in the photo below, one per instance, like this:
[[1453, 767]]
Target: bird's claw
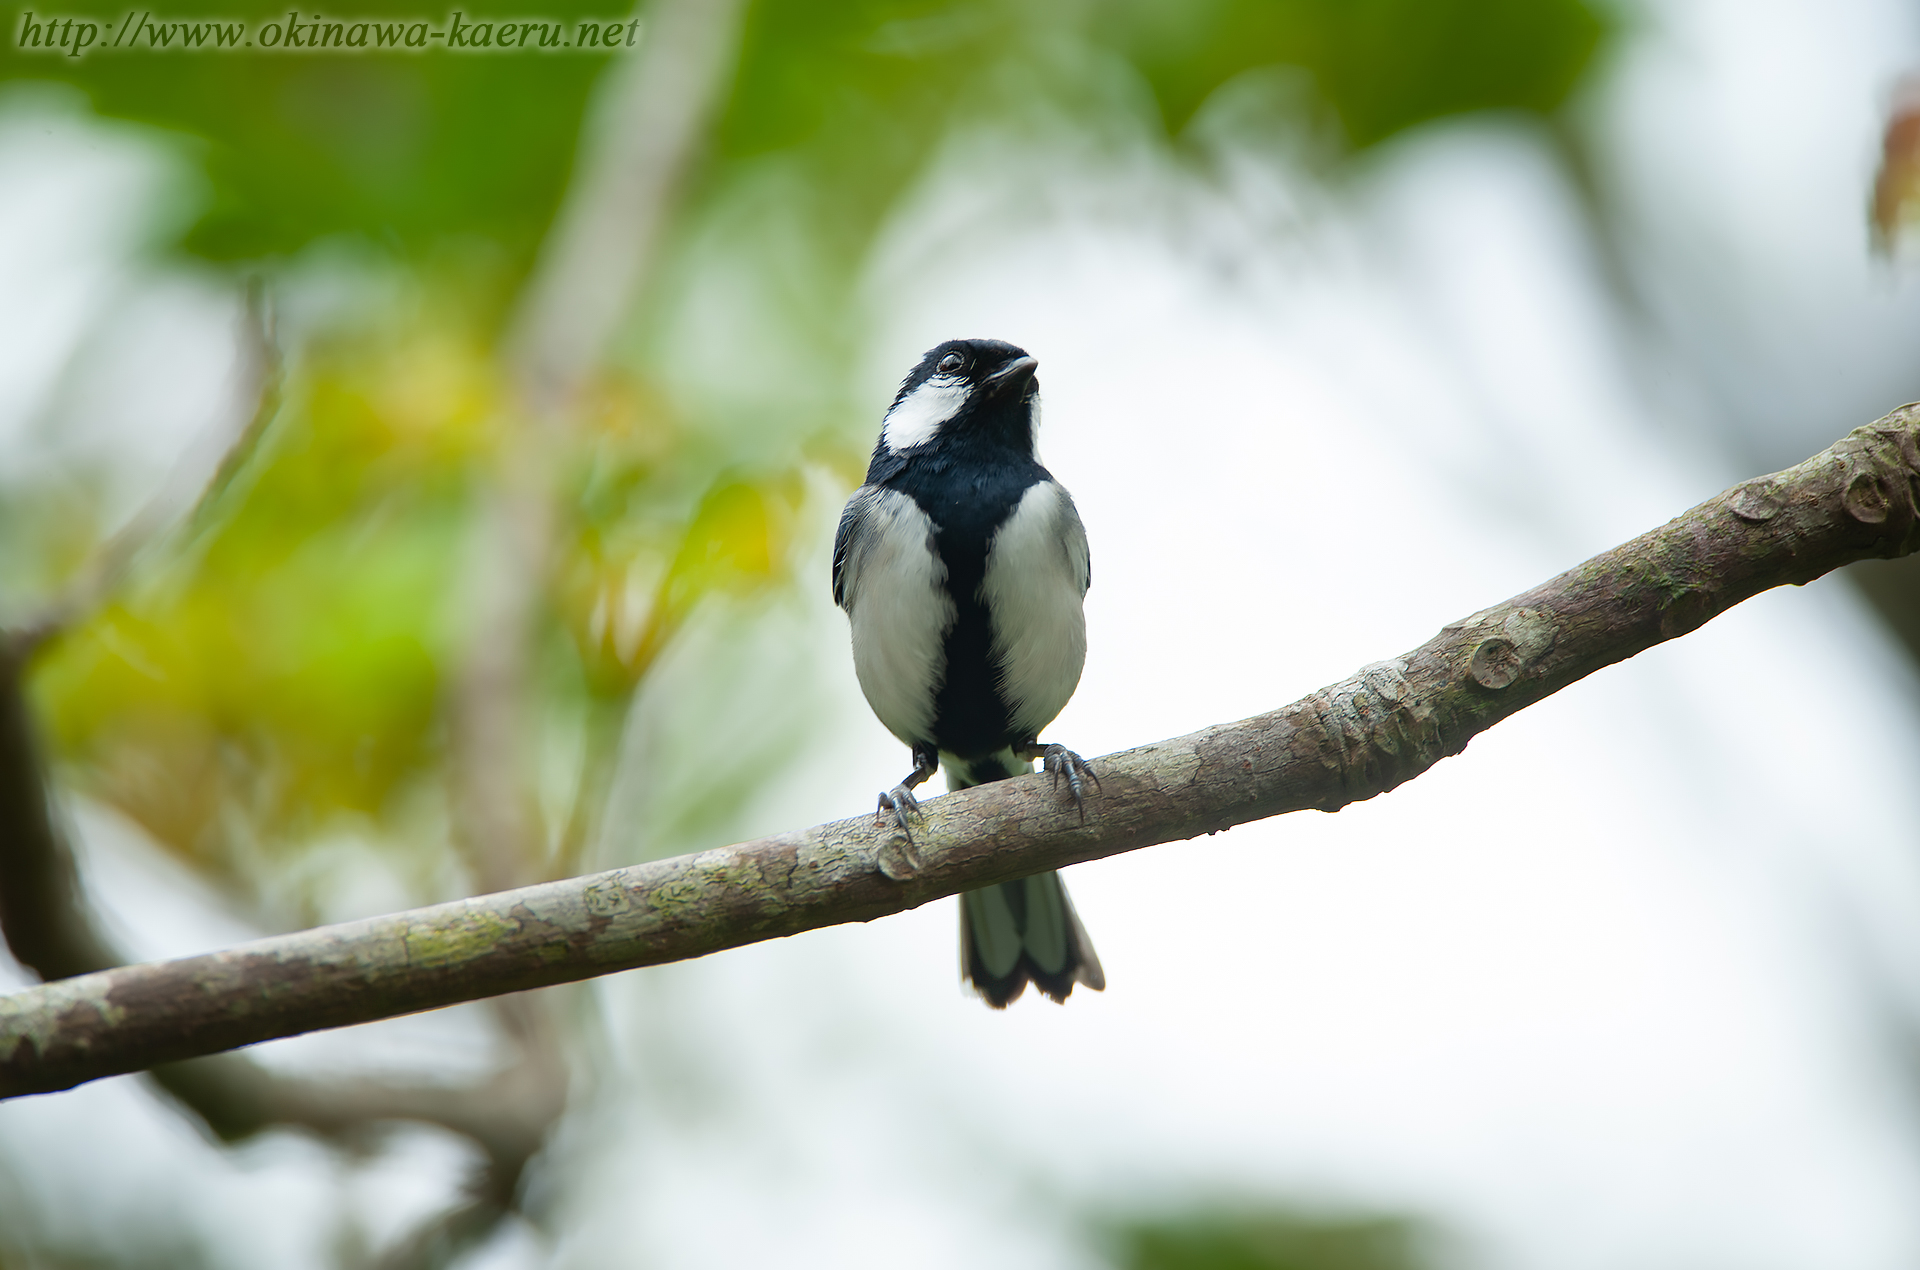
[[901, 802], [1061, 763]]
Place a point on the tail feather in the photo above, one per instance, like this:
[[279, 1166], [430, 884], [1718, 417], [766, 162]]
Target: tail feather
[[1000, 954], [1024, 931]]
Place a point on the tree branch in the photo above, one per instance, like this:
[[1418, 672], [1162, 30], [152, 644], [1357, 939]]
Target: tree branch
[[46, 922], [50, 928], [1351, 741]]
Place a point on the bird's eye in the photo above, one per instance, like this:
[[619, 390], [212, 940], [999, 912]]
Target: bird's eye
[[951, 363]]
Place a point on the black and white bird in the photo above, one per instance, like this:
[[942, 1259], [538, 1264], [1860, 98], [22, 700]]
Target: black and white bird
[[962, 564]]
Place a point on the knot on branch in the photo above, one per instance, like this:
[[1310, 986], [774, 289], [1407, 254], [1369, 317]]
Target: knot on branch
[[1882, 488], [897, 859], [1869, 480], [1756, 501], [1505, 643]]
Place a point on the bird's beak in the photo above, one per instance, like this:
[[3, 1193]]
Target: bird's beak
[[1011, 378]]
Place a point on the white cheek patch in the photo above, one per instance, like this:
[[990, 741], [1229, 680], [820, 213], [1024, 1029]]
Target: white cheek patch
[[917, 418], [897, 599], [1036, 576]]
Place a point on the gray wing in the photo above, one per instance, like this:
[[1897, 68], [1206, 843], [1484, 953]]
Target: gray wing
[[856, 523], [1076, 538]]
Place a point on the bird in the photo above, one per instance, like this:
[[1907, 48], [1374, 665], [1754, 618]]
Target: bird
[[962, 566]]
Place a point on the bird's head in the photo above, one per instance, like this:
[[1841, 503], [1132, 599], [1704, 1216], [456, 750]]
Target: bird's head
[[978, 389]]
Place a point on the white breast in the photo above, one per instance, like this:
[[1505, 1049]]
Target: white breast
[[895, 588], [1037, 570]]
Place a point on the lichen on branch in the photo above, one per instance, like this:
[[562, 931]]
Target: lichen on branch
[[1352, 740]]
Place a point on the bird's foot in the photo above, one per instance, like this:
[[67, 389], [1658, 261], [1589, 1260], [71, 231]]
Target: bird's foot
[[1061, 763], [901, 802], [898, 858]]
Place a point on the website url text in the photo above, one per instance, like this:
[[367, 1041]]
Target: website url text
[[72, 36]]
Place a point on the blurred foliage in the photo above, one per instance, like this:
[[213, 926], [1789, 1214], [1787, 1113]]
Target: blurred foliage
[[1381, 65], [290, 662], [629, 589], [285, 662], [1895, 209], [406, 149], [411, 149], [1267, 1240]]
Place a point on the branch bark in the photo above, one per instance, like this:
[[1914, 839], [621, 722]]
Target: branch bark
[[1350, 741]]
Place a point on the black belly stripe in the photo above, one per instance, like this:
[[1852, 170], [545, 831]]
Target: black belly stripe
[[968, 492], [970, 718]]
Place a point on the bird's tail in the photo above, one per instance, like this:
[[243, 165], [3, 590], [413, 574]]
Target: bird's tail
[[1015, 932]]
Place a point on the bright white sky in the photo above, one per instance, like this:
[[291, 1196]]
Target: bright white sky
[[1590, 995]]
